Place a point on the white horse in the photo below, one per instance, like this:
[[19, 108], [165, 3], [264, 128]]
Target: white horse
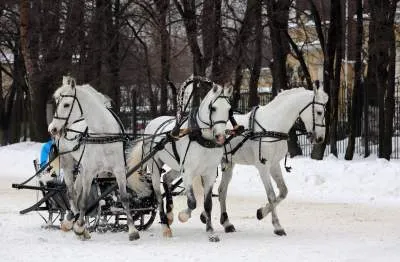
[[82, 115], [197, 154], [264, 145]]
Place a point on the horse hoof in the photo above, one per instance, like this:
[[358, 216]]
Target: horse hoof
[[134, 236], [170, 218], [79, 230], [280, 232], [167, 233], [260, 214], [183, 217], [66, 225], [86, 235], [230, 229], [203, 218], [213, 238]]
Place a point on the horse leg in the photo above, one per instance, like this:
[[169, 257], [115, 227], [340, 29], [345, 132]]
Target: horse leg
[[68, 223], [121, 181], [271, 207], [168, 178], [222, 192], [82, 186], [156, 180], [169, 203], [208, 182], [185, 214], [276, 173]]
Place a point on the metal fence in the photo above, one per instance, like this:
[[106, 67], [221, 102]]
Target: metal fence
[[342, 127]]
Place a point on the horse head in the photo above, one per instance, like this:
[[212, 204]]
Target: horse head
[[313, 116], [68, 109], [214, 111]]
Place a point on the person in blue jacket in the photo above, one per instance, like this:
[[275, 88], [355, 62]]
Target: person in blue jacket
[[45, 152]]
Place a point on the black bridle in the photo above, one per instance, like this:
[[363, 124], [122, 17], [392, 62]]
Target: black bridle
[[312, 104], [75, 98], [212, 109]]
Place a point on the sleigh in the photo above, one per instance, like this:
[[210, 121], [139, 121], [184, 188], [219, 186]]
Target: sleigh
[[105, 212]]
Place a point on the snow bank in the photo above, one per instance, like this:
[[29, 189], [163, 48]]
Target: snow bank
[[369, 180], [16, 160]]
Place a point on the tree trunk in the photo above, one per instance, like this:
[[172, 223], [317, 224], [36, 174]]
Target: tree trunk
[[29, 28], [256, 68], [188, 13], [112, 53], [300, 58], [389, 98], [356, 101], [163, 8], [278, 15], [134, 112], [382, 52], [330, 51], [230, 61], [236, 87], [336, 82], [95, 52], [2, 110], [149, 89]]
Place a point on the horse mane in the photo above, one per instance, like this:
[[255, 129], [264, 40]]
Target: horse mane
[[288, 92], [66, 87], [211, 94], [94, 93], [321, 95]]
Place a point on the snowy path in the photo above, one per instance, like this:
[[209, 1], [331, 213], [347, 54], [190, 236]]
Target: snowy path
[[316, 232]]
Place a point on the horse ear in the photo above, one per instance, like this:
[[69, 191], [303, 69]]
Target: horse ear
[[73, 84], [215, 88], [229, 90], [65, 80]]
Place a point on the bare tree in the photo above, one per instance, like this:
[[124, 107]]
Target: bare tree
[[257, 58], [356, 101], [380, 76], [278, 15], [332, 54]]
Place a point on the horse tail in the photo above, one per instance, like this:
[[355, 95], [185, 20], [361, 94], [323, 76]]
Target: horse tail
[[139, 181]]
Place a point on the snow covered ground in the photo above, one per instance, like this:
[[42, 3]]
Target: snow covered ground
[[336, 210]]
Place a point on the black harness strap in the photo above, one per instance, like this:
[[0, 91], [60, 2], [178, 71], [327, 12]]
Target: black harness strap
[[160, 130], [173, 143], [195, 134]]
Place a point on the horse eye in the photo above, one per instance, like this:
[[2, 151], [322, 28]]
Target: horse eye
[[66, 105], [319, 113], [212, 109]]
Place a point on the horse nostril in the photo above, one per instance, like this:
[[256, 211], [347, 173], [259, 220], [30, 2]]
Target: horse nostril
[[54, 130], [319, 139]]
